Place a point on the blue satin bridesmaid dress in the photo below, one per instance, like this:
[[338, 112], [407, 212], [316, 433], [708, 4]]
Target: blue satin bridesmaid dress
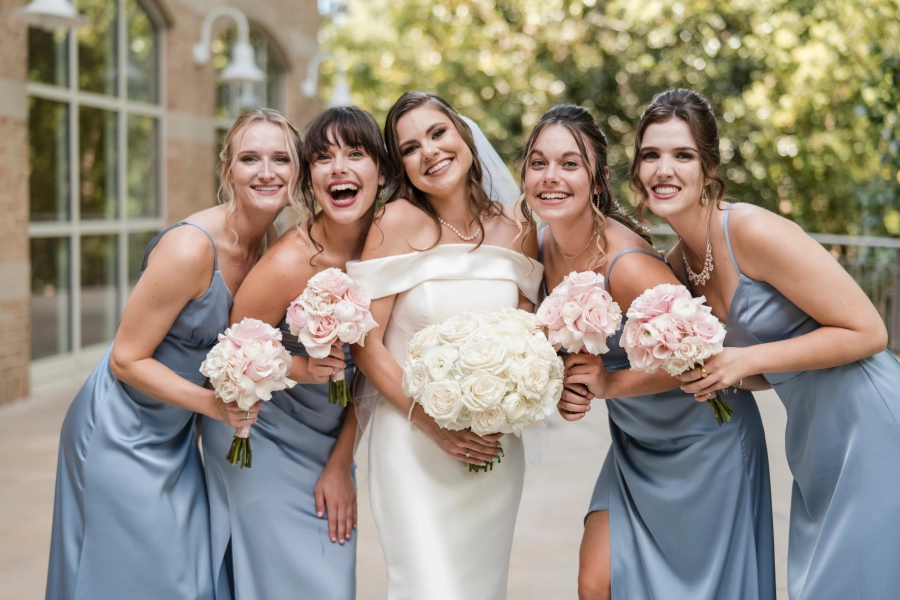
[[267, 542], [690, 509], [130, 518], [843, 444]]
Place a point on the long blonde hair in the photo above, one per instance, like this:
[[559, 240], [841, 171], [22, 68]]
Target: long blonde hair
[[227, 156]]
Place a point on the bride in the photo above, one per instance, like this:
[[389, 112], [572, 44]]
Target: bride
[[440, 247]]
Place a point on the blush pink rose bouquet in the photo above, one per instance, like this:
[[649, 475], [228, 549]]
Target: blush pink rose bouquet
[[580, 313], [333, 309], [246, 366], [669, 328]]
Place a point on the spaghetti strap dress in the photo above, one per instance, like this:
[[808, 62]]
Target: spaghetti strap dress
[[130, 517], [690, 510], [267, 542], [842, 444]]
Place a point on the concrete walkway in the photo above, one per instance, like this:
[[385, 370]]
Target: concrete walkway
[[548, 531]]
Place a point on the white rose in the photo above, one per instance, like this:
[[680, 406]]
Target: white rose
[[214, 365], [320, 305], [253, 348], [538, 345], [513, 334], [482, 391], [415, 378], [442, 401], [531, 375], [345, 310], [526, 319], [439, 361], [228, 391], [458, 329], [683, 307], [425, 339], [514, 407], [488, 421], [676, 366], [484, 353], [551, 395]]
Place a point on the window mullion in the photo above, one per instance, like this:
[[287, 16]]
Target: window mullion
[[74, 197], [122, 162]]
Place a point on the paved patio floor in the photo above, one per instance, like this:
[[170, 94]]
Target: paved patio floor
[[548, 531]]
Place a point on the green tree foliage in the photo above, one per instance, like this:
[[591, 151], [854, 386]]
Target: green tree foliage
[[807, 92]]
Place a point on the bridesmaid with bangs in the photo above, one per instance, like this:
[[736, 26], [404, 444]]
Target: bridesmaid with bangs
[[284, 528], [793, 314], [682, 507]]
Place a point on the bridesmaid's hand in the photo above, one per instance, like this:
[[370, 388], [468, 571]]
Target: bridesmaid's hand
[[462, 445], [586, 379], [321, 369], [336, 495], [232, 415], [723, 370]]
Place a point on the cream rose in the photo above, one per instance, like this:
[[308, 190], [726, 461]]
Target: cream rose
[[488, 421], [458, 329], [482, 391], [531, 376], [442, 401], [422, 341], [484, 353], [439, 361], [415, 378]]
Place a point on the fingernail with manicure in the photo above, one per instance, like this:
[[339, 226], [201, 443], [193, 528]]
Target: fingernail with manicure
[[501, 455], [483, 464], [495, 459]]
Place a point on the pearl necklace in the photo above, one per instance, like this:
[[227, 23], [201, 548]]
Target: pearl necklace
[[465, 238], [586, 246], [703, 276]]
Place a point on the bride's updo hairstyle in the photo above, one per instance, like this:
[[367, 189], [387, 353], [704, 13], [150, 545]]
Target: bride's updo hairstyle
[[695, 110], [592, 145], [355, 128], [480, 205]]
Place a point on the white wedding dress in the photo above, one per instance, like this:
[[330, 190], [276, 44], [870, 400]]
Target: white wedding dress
[[446, 532]]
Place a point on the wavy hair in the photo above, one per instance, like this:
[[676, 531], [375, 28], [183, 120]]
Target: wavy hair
[[695, 110], [228, 154], [593, 146], [480, 204], [353, 127]]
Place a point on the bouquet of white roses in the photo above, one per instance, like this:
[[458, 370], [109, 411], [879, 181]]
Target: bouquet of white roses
[[493, 372], [246, 366], [669, 328], [332, 309]]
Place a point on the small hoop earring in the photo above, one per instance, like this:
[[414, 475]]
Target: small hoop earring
[[704, 198]]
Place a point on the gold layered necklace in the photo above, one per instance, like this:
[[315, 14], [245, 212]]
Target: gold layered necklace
[[703, 276], [580, 252]]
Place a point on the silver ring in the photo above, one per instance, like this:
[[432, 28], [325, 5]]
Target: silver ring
[[467, 454], [247, 418]]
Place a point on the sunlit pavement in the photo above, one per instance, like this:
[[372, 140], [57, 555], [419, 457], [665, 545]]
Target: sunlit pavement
[[548, 531]]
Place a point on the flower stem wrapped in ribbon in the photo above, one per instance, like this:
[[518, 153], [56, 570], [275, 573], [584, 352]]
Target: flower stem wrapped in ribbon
[[669, 328], [333, 309], [491, 372], [580, 313], [246, 366]]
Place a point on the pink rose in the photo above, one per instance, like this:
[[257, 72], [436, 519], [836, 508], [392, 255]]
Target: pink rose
[[296, 317], [330, 281], [577, 284], [315, 303], [549, 314], [318, 336], [249, 329], [709, 328], [600, 318], [356, 294]]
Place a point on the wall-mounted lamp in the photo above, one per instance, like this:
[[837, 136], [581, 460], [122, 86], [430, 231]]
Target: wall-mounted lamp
[[242, 68], [50, 15]]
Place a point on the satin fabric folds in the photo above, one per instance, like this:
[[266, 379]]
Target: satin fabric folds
[[446, 532], [265, 531], [842, 444], [130, 517]]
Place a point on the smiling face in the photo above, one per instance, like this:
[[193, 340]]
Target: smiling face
[[557, 179], [263, 170], [670, 168], [435, 157], [345, 180]]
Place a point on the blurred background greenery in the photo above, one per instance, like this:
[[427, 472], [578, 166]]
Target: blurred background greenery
[[807, 92]]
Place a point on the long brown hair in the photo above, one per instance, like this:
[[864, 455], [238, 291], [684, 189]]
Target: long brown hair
[[355, 128], [480, 204], [695, 110], [587, 135]]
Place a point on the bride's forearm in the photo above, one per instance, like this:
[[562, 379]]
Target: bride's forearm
[[382, 371]]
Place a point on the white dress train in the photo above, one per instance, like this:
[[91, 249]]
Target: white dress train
[[446, 532]]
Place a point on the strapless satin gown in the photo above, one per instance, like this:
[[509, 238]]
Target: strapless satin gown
[[842, 443], [690, 507], [130, 518], [279, 548], [446, 532]]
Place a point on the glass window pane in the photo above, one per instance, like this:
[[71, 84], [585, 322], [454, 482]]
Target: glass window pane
[[48, 56], [97, 163], [143, 198], [97, 62], [51, 332], [48, 129], [141, 54], [137, 244], [99, 289]]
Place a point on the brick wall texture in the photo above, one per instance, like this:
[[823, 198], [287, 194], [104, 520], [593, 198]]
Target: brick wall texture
[[290, 25]]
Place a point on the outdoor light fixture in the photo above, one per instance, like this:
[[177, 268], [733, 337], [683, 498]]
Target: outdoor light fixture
[[50, 15], [242, 68]]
